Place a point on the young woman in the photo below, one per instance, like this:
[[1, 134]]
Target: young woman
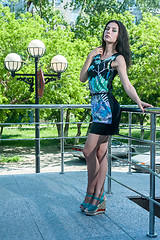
[[101, 66]]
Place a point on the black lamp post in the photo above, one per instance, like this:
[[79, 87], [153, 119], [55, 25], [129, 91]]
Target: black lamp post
[[13, 62]]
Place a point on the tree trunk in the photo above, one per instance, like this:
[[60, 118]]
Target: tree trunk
[[66, 128], [78, 132], [79, 129], [83, 6], [1, 131], [79, 125], [40, 7], [58, 125], [58, 129], [141, 119], [89, 127]]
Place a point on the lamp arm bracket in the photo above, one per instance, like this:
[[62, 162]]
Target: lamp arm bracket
[[51, 75], [24, 74], [28, 80], [49, 79]]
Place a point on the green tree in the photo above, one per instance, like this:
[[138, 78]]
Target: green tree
[[15, 35], [94, 14], [144, 72], [67, 90], [88, 26], [44, 8], [113, 6]]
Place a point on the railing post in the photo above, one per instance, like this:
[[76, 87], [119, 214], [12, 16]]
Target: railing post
[[62, 141], [109, 166], [151, 233], [129, 141]]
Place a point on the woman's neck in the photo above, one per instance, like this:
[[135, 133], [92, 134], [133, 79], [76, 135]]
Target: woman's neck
[[109, 50]]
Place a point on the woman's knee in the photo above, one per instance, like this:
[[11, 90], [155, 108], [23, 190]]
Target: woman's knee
[[86, 152], [89, 152], [102, 153]]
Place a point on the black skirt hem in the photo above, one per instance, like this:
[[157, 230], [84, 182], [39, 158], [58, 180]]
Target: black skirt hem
[[104, 129]]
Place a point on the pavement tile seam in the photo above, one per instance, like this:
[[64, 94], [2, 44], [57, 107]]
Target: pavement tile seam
[[66, 229], [71, 187], [120, 227], [27, 205], [108, 217]]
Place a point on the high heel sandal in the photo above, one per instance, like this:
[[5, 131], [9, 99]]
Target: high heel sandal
[[84, 205], [92, 210]]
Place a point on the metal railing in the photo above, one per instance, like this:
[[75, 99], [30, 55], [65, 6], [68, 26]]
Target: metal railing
[[153, 112]]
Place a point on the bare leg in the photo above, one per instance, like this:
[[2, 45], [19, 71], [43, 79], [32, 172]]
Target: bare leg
[[95, 152], [102, 158]]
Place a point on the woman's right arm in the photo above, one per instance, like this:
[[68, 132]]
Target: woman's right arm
[[91, 55]]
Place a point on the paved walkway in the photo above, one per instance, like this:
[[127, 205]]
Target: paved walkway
[[45, 206]]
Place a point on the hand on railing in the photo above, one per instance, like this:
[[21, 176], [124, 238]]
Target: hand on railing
[[142, 105]]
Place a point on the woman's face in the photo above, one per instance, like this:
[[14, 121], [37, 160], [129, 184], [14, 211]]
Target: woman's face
[[111, 32]]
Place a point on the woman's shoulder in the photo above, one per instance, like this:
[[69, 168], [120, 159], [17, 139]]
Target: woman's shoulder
[[119, 61], [119, 56]]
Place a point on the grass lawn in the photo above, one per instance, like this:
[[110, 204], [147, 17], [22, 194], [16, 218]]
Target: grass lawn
[[21, 134], [28, 132]]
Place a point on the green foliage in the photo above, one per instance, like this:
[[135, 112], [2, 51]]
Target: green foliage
[[113, 6], [74, 44], [145, 71], [88, 26], [4, 159], [149, 6], [93, 7], [15, 35], [67, 90]]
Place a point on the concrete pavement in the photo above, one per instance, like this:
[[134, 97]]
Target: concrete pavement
[[45, 206]]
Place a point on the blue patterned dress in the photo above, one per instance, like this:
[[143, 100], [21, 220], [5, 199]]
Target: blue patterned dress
[[105, 108]]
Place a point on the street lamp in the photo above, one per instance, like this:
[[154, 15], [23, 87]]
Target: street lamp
[[36, 48], [59, 63], [13, 63]]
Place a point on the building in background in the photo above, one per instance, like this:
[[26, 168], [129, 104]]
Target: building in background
[[134, 10], [14, 7], [70, 15]]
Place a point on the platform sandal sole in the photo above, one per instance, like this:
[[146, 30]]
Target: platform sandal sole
[[101, 208]]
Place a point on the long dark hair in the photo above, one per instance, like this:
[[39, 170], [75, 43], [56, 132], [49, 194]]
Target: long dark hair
[[122, 45]]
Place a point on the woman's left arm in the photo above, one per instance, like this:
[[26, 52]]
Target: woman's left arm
[[128, 87]]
